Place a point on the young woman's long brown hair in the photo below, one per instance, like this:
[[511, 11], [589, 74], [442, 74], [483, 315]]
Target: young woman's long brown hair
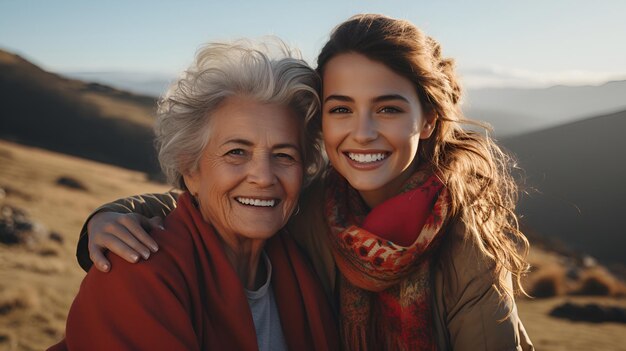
[[475, 170]]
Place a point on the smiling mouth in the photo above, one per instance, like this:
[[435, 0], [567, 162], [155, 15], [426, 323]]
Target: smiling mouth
[[256, 202], [366, 158]]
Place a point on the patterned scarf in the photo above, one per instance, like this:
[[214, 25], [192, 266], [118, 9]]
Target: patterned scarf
[[385, 258]]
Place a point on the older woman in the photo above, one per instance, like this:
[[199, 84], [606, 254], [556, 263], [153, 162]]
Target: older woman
[[231, 134]]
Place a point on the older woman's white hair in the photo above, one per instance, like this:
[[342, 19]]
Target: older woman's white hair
[[268, 72]]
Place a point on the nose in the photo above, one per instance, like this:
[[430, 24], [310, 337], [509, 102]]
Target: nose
[[261, 172], [364, 129]]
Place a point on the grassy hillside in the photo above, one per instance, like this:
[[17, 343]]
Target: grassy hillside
[[87, 120], [39, 280], [574, 174]]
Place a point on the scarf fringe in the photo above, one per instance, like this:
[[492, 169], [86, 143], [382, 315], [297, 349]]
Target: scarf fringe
[[356, 337]]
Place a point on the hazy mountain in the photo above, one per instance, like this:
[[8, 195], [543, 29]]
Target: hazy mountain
[[578, 170], [151, 84], [514, 111], [84, 119], [511, 111]]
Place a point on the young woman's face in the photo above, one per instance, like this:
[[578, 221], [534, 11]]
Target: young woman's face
[[372, 122]]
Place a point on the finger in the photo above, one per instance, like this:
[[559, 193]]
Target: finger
[[139, 239], [156, 222], [119, 247], [97, 257]]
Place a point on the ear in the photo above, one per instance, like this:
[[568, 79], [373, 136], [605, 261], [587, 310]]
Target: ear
[[192, 182], [428, 126]]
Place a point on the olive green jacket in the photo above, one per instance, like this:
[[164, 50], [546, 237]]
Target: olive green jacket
[[469, 312]]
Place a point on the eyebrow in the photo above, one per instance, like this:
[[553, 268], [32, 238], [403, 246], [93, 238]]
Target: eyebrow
[[238, 141], [245, 142], [286, 146], [376, 99], [390, 97], [339, 98]]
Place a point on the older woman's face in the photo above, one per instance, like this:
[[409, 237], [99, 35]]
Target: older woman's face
[[250, 173]]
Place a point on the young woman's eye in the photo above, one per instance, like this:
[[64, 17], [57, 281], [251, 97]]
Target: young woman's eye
[[339, 109], [389, 109]]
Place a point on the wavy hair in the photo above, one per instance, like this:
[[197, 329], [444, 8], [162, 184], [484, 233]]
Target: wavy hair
[[268, 72], [475, 170]]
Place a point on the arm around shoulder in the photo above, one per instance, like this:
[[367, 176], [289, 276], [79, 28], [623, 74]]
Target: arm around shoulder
[[470, 308], [147, 205]]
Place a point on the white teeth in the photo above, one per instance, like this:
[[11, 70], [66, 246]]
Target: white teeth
[[256, 202], [367, 158]]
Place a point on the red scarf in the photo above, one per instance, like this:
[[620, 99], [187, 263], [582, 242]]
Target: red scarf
[[188, 297], [384, 257]]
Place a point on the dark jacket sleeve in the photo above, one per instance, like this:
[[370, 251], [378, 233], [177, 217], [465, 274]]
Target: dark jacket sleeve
[[148, 205], [474, 314]]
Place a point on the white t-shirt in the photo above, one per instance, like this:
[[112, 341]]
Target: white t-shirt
[[269, 332]]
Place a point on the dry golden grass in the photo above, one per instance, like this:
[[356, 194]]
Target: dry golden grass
[[38, 283], [555, 334], [555, 279]]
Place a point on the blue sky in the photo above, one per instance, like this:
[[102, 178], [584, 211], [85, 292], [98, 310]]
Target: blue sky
[[494, 42]]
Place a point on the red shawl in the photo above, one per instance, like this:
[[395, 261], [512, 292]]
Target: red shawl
[[188, 297]]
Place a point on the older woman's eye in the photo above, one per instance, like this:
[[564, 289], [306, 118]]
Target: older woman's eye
[[285, 157], [236, 152]]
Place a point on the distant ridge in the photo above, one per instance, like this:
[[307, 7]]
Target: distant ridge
[[579, 172], [515, 111], [88, 120], [143, 83]]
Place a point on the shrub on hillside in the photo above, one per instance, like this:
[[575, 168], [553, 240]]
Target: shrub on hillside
[[592, 312], [598, 282], [547, 282]]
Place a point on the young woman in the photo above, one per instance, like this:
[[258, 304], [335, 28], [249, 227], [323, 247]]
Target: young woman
[[412, 228]]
